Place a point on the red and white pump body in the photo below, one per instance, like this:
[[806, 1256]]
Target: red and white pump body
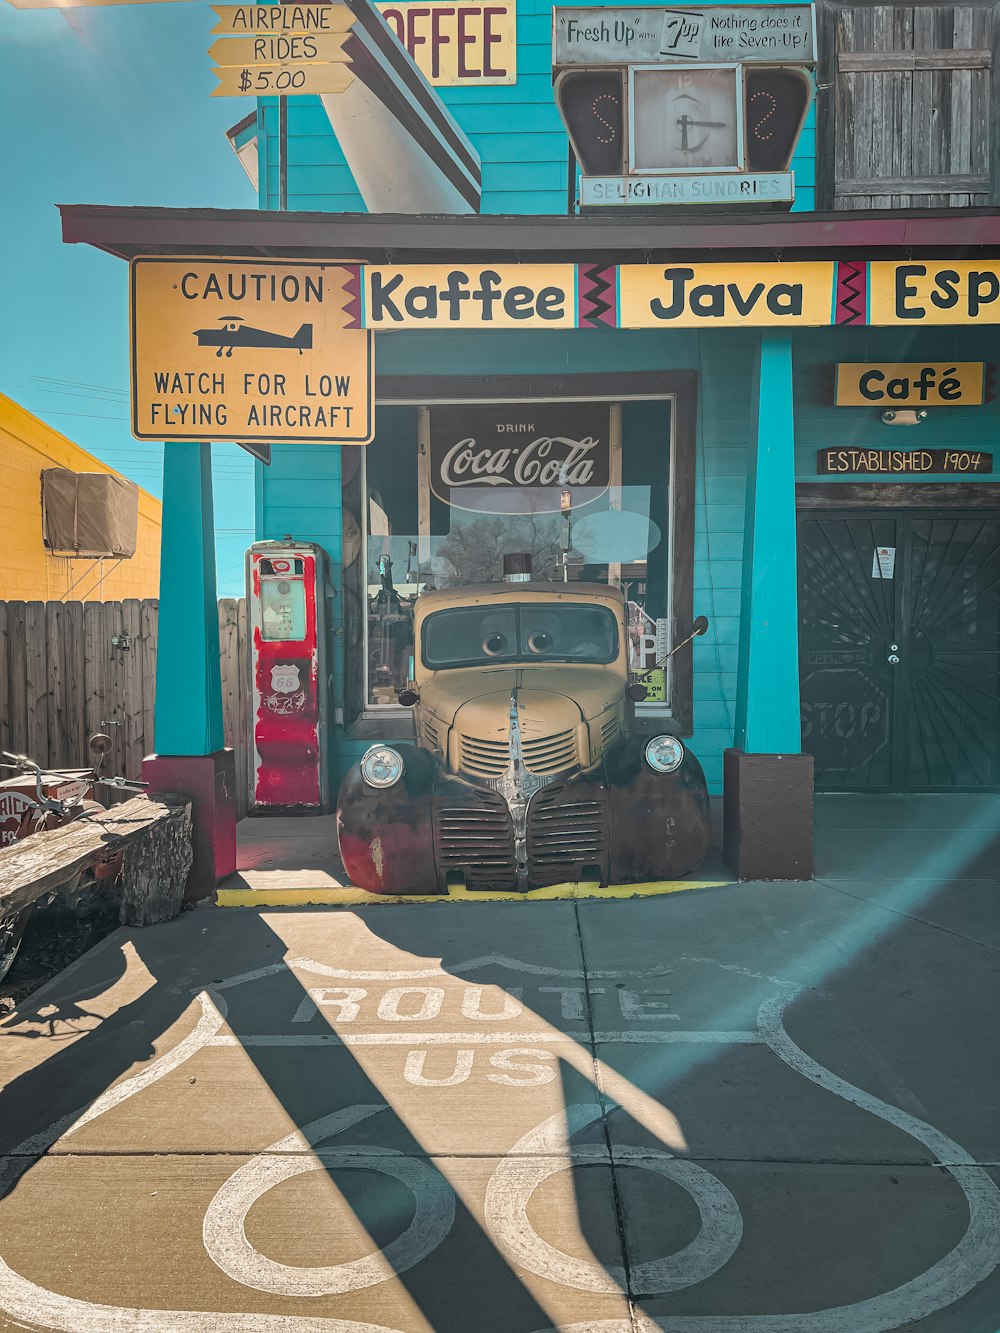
[[287, 589]]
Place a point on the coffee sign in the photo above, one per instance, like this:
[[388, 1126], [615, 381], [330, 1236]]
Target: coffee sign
[[500, 458]]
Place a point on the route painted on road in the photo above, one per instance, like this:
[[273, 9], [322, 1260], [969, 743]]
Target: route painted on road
[[472, 1098]]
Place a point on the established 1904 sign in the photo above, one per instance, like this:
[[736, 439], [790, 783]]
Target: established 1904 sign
[[226, 349]]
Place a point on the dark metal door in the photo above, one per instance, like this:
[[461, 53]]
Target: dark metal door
[[899, 650]]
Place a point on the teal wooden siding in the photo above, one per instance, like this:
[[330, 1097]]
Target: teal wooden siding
[[515, 128]]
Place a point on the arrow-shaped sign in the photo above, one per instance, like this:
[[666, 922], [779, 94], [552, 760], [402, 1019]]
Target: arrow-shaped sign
[[279, 49], [301, 20], [280, 80]]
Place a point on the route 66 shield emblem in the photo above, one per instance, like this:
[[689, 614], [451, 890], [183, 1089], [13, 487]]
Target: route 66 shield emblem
[[284, 678]]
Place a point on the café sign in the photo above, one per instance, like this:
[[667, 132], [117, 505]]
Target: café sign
[[910, 384]]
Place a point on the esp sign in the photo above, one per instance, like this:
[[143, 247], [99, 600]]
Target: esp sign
[[237, 350]]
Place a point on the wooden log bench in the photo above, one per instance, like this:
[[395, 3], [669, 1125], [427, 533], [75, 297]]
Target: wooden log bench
[[154, 835]]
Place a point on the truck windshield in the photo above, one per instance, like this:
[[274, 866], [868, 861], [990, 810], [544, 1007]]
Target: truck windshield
[[465, 636]]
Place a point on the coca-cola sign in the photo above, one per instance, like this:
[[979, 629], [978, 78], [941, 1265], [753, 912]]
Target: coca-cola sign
[[501, 458]]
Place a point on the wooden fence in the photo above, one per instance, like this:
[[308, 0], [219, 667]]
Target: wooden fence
[[65, 674]]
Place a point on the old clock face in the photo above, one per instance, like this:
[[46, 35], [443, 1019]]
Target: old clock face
[[685, 120]]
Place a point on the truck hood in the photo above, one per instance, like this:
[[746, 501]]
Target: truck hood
[[549, 699]]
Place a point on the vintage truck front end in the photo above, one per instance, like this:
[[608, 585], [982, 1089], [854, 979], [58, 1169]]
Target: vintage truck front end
[[525, 772]]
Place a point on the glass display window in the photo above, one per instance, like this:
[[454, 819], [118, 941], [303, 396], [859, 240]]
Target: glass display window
[[446, 490]]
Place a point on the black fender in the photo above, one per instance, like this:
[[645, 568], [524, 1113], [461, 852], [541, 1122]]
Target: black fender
[[385, 833], [660, 822]]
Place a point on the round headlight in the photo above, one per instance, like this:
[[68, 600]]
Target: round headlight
[[664, 754], [381, 766]]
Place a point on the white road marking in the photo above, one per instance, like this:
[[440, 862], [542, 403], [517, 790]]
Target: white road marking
[[26, 1301], [213, 1015], [345, 999], [413, 1070], [544, 1151], [432, 1002], [469, 965], [510, 1003], [480, 1038], [538, 1074], [973, 1259], [224, 1229]]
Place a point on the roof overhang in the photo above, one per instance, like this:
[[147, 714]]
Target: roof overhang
[[389, 238]]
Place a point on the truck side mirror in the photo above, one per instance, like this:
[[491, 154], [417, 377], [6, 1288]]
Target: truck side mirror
[[408, 698], [635, 691]]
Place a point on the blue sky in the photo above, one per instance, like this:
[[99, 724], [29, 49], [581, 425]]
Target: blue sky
[[106, 105]]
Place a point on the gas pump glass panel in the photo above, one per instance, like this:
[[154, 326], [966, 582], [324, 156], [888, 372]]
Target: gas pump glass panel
[[283, 608], [475, 636]]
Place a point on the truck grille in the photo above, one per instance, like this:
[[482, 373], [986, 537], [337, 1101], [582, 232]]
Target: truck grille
[[487, 759], [478, 840], [567, 831], [545, 755], [551, 754]]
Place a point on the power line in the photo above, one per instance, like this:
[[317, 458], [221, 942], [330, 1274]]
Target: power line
[[49, 379]]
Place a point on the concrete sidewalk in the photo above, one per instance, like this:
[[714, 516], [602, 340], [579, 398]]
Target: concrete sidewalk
[[748, 1109]]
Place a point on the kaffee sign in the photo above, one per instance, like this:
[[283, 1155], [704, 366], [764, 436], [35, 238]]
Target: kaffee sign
[[503, 458], [755, 293]]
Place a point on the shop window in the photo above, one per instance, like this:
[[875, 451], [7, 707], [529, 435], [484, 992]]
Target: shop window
[[446, 490]]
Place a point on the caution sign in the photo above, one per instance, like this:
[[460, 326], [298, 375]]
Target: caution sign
[[239, 350]]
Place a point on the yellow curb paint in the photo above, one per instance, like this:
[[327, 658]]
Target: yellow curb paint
[[351, 897]]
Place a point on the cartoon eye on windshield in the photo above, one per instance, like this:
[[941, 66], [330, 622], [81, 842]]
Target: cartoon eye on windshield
[[540, 642], [495, 644]]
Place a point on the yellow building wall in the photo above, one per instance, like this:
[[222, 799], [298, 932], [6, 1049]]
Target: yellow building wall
[[28, 572]]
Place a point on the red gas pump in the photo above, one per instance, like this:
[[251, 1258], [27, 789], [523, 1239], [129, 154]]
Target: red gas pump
[[287, 586]]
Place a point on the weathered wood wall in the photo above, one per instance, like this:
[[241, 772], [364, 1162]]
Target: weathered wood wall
[[905, 105], [62, 678]]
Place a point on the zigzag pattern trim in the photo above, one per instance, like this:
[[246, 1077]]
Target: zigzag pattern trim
[[352, 288], [597, 295], [852, 293]]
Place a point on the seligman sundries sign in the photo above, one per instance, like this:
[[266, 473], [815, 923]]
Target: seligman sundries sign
[[504, 458]]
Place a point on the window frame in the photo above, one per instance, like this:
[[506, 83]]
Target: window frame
[[677, 387]]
